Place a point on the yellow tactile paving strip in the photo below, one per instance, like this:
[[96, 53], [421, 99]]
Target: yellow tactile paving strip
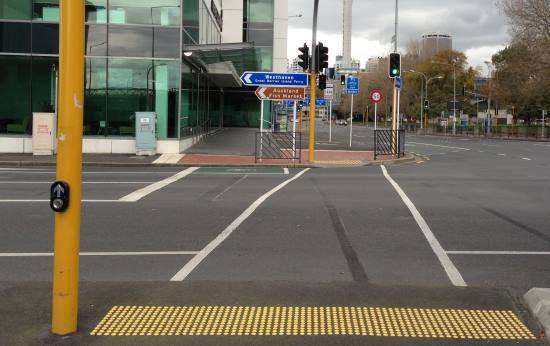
[[342, 162], [311, 321]]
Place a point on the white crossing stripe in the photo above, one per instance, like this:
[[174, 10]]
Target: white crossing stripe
[[448, 265], [195, 261], [139, 194]]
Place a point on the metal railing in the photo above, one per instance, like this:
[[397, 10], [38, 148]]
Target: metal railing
[[389, 143], [518, 132], [278, 146]]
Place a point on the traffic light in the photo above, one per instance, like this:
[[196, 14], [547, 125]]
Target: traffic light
[[343, 80], [322, 82], [426, 104], [304, 57], [321, 57], [395, 65]]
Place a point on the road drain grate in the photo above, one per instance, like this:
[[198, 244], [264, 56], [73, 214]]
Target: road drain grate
[[311, 321]]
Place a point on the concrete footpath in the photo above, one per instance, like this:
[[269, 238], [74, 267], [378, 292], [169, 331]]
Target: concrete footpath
[[232, 313]]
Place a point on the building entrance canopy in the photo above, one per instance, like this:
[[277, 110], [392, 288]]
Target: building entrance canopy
[[224, 62]]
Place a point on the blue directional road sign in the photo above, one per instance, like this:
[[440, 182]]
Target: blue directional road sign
[[275, 79], [398, 83], [318, 102], [352, 85]]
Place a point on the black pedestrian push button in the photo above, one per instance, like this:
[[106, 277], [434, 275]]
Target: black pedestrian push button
[[59, 196]]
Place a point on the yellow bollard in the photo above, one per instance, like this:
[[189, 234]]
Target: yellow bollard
[[69, 167], [312, 105]]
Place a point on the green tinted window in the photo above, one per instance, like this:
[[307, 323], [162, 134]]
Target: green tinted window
[[130, 91], [43, 84], [96, 11], [260, 11], [159, 12], [15, 88], [46, 10], [265, 58], [95, 103], [15, 9]]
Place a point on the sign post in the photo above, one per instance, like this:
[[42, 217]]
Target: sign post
[[376, 98], [294, 128], [329, 95], [353, 90], [69, 169], [275, 79]]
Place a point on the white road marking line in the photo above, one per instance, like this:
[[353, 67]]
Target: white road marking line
[[481, 151], [168, 159], [195, 261], [501, 154], [84, 182], [529, 253], [526, 158], [48, 201], [139, 194], [113, 172], [50, 254], [229, 187], [440, 146], [452, 272], [286, 171]]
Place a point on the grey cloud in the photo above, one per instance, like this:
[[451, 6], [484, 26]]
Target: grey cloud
[[473, 23]]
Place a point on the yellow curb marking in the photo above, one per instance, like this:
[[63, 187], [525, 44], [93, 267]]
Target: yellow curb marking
[[311, 321]]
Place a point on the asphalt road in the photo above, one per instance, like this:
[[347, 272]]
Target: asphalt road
[[331, 235]]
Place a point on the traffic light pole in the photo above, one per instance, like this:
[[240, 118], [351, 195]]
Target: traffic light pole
[[313, 85], [69, 168]]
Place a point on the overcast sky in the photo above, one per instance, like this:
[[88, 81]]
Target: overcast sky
[[478, 27]]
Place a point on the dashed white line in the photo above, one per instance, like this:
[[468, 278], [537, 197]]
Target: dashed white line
[[501, 154], [139, 194], [526, 158], [286, 171], [195, 261], [50, 254], [448, 265]]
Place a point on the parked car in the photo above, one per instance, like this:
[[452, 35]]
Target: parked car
[[342, 122]]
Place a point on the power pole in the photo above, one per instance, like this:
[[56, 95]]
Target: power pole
[[69, 168]]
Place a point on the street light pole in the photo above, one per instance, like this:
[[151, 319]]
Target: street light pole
[[454, 99]]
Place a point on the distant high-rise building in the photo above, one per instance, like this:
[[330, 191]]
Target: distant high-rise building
[[435, 42], [348, 11], [294, 67], [354, 63], [373, 63]]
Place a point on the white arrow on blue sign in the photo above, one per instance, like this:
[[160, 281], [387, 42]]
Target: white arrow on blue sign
[[318, 102], [275, 79], [352, 85]]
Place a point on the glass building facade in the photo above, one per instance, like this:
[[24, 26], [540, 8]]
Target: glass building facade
[[134, 62]]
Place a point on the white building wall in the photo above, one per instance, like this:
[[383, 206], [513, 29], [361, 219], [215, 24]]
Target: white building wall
[[280, 36], [232, 21]]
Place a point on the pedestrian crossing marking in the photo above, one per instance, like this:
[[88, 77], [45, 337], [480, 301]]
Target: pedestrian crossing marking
[[311, 321]]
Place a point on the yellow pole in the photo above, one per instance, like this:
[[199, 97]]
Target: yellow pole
[[69, 167], [312, 105]]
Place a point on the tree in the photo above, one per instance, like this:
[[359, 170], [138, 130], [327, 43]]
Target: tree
[[521, 77]]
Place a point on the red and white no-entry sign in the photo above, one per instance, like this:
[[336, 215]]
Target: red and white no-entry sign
[[376, 96]]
